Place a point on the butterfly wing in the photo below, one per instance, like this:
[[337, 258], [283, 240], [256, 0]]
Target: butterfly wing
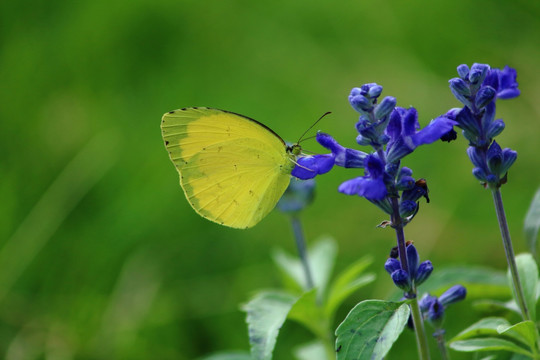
[[232, 168]]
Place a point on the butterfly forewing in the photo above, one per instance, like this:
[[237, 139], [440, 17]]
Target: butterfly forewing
[[233, 169]]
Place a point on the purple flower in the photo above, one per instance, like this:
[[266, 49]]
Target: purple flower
[[404, 134], [371, 186], [310, 166], [504, 82]]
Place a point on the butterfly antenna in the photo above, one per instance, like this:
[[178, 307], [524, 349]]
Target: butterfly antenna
[[309, 138], [315, 123]]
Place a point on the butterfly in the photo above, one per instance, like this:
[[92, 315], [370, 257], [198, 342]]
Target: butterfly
[[233, 169]]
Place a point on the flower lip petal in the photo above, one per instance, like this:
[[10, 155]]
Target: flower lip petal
[[351, 187], [329, 142], [434, 130], [310, 166]]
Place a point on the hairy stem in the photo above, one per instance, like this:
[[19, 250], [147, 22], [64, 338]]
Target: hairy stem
[[421, 338]]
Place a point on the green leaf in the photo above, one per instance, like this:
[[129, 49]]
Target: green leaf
[[488, 344], [370, 329], [266, 313], [347, 282], [481, 282], [524, 332], [528, 274], [229, 355], [321, 258], [310, 351], [532, 222], [484, 327], [307, 312], [491, 306]]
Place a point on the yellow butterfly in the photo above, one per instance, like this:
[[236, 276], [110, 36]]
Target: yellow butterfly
[[233, 169]]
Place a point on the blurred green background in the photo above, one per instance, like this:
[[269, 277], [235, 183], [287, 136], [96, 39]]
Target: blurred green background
[[101, 256]]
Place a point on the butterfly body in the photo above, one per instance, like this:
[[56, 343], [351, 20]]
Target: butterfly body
[[233, 169]]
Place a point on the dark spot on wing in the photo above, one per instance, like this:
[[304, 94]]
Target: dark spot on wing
[[251, 192], [166, 142], [171, 112], [339, 348]]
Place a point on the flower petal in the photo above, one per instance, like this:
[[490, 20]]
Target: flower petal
[[434, 130], [310, 166]]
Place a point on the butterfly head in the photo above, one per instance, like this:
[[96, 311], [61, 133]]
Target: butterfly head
[[294, 149]]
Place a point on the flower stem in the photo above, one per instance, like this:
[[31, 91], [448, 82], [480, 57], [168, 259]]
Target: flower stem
[[510, 258], [397, 224], [439, 335], [301, 246], [421, 338]]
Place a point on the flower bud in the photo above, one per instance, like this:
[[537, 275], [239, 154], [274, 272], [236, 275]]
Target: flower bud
[[385, 107], [407, 208], [509, 157], [374, 90], [392, 265], [454, 294], [495, 128], [463, 71], [424, 270], [480, 174], [475, 156], [485, 95], [412, 260], [361, 103], [494, 158], [401, 280], [460, 86]]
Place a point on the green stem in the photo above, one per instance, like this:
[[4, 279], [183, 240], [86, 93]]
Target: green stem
[[421, 338], [510, 258], [302, 252], [439, 335]]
